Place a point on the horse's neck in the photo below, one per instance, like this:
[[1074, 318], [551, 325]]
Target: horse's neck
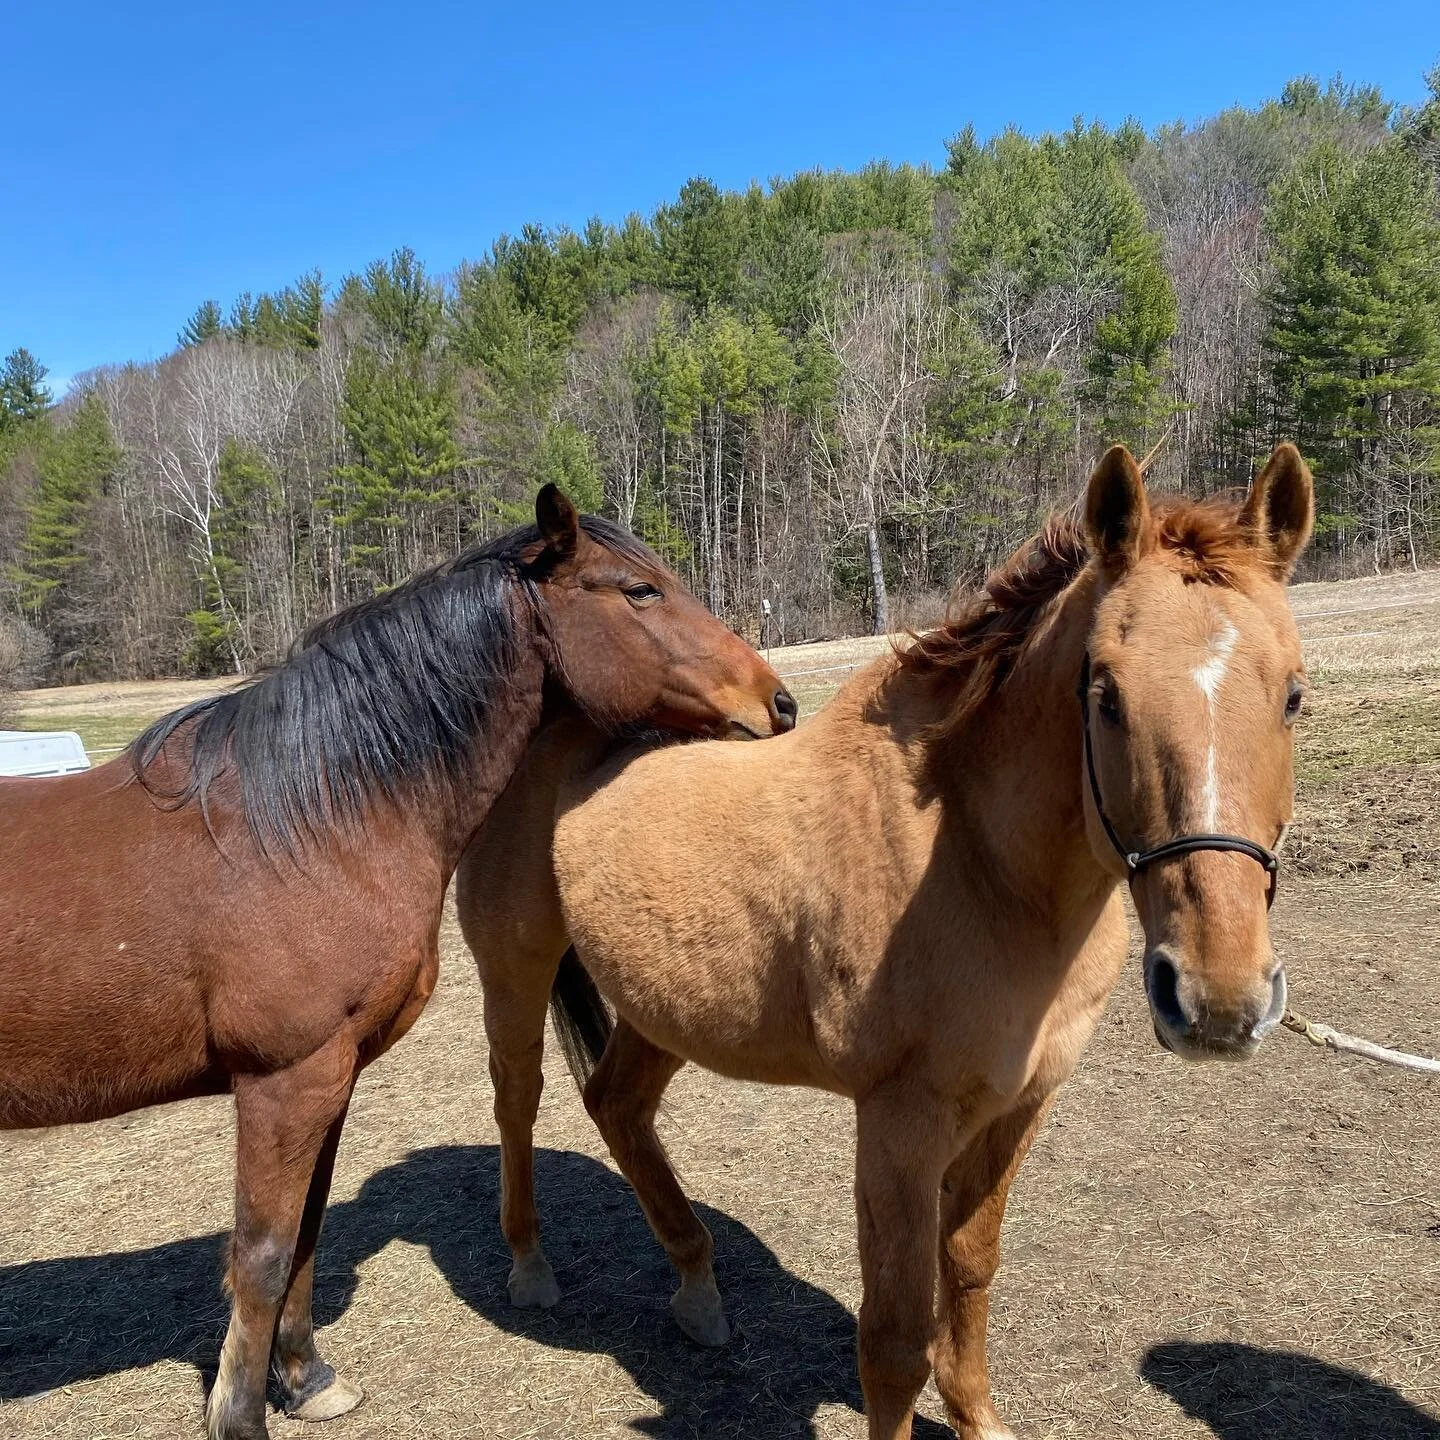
[[511, 723], [1017, 766]]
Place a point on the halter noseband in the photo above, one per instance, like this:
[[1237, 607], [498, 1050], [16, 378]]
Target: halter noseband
[[1138, 860]]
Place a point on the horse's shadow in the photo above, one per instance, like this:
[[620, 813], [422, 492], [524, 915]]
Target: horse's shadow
[[793, 1349], [1245, 1393]]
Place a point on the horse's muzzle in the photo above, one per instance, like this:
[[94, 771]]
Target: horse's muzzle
[[784, 711], [1193, 1023]]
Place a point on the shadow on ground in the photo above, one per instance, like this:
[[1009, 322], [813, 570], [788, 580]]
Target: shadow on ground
[[1245, 1393], [793, 1350]]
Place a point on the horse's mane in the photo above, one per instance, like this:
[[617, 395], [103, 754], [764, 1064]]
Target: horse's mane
[[979, 644], [386, 695]]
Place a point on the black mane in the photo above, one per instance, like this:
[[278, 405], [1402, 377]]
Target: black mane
[[386, 695]]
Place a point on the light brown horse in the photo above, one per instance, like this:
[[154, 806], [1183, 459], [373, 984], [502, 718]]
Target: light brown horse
[[915, 900], [252, 900]]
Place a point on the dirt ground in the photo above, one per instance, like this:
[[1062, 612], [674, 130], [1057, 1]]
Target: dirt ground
[[1245, 1252]]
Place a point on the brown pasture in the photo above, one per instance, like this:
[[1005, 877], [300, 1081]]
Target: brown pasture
[[1246, 1252]]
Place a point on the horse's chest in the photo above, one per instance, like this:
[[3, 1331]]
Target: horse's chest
[[1043, 1030]]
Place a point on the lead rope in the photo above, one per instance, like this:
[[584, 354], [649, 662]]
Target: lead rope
[[1328, 1038]]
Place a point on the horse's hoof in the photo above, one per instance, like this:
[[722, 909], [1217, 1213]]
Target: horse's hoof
[[699, 1313], [532, 1283], [338, 1398], [991, 1429]]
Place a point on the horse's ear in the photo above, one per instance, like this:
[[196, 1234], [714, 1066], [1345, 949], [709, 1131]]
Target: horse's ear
[[1279, 511], [558, 520], [1117, 514]]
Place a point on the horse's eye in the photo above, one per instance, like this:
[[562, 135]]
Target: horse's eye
[[1294, 702], [641, 593], [1109, 706]]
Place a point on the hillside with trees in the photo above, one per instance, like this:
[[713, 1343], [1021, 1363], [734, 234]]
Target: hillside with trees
[[840, 393]]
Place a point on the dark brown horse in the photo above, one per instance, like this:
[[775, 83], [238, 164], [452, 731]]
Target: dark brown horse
[[251, 900]]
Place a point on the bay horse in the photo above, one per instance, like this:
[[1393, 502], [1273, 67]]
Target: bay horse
[[915, 900], [251, 900]]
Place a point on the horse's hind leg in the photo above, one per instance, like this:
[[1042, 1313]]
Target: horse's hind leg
[[311, 1388], [972, 1206], [283, 1123], [622, 1097]]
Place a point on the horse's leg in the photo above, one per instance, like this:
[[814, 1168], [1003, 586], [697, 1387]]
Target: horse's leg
[[312, 1389], [510, 916], [901, 1149], [972, 1205], [622, 1097], [515, 1027], [283, 1122]]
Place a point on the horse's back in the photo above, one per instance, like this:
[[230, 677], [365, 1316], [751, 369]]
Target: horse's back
[[761, 830], [733, 899]]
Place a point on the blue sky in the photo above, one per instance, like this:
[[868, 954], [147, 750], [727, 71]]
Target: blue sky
[[160, 154]]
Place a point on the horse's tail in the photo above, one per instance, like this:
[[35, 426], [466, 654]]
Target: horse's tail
[[583, 1022]]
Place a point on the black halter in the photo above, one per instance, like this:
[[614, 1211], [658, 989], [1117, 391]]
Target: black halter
[[1138, 860]]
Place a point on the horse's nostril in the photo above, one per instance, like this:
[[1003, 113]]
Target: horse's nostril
[[1163, 983], [786, 710], [1279, 994]]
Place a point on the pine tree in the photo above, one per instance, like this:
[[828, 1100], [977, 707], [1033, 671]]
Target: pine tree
[[1131, 345], [490, 330], [248, 495], [302, 309], [567, 458], [203, 325], [1354, 334], [700, 242], [400, 300], [1050, 251], [401, 428], [74, 463], [243, 312], [1420, 127], [23, 395]]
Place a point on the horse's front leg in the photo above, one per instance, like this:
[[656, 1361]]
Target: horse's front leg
[[515, 1001], [510, 916], [972, 1207], [904, 1136], [284, 1124], [312, 1390]]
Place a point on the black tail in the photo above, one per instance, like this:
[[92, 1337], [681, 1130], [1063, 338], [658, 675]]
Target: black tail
[[583, 1022]]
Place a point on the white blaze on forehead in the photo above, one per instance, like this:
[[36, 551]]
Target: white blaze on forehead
[[1209, 675], [1211, 671]]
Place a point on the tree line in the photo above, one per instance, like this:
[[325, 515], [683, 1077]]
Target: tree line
[[825, 400]]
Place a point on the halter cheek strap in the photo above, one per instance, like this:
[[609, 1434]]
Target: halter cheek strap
[[1138, 860]]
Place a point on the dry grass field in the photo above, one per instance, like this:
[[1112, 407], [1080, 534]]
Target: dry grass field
[[1247, 1252]]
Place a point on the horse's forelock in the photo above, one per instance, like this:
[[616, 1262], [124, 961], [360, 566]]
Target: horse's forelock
[[1205, 540]]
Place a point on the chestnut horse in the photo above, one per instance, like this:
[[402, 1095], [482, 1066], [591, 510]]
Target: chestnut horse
[[915, 900], [251, 901]]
